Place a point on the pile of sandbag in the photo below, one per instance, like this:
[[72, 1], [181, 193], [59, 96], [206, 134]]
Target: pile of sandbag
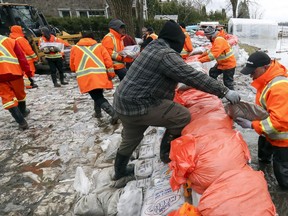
[[211, 157]]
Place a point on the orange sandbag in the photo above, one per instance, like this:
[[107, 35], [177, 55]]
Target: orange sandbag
[[185, 210], [192, 97], [237, 192], [203, 158]]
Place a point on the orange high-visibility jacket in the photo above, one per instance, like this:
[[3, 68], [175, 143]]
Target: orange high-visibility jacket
[[53, 39], [222, 52], [113, 42], [9, 64], [17, 34], [187, 48], [272, 94], [92, 64]]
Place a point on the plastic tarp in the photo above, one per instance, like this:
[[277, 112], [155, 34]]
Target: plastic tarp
[[237, 192], [256, 32]]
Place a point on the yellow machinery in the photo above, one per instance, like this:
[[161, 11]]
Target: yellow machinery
[[31, 21]]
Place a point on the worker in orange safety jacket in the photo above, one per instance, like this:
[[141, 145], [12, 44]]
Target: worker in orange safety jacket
[[17, 34], [94, 71], [54, 57], [13, 65], [222, 52], [270, 79], [187, 48], [150, 36], [113, 42]]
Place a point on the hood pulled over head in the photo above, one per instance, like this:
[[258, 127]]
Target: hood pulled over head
[[173, 35], [46, 33], [116, 24]]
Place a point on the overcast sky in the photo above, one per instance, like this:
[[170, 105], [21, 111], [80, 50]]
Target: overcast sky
[[274, 10]]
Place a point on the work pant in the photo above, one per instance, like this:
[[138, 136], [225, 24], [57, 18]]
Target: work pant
[[279, 157], [121, 73], [32, 67], [11, 92], [168, 114], [97, 96], [54, 64], [228, 76]]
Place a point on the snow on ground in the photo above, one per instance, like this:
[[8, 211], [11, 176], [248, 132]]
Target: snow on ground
[[38, 166]]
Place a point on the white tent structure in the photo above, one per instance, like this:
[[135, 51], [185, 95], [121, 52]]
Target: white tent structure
[[255, 32]]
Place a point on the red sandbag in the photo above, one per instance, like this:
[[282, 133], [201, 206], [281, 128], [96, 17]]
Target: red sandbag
[[237, 192], [203, 158]]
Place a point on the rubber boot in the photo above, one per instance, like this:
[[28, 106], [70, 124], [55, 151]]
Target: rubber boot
[[97, 109], [22, 107], [165, 146], [62, 81], [17, 115], [110, 111], [120, 167], [32, 83], [54, 80]]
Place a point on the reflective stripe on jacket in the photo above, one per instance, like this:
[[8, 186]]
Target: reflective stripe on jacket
[[272, 93], [221, 52], [92, 64], [113, 42], [187, 48], [52, 40], [9, 64]]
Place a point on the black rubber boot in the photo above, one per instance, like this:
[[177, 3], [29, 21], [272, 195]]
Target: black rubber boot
[[22, 107], [97, 109], [110, 111], [62, 81], [32, 83], [165, 146], [120, 167], [54, 80], [17, 115]]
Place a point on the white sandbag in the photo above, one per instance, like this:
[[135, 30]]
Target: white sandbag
[[102, 178], [146, 151], [100, 202], [110, 145], [195, 198], [247, 110], [47, 47], [88, 205], [143, 168], [131, 51], [130, 202], [160, 200], [81, 182]]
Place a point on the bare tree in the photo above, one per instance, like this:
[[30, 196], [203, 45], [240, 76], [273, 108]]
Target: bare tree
[[234, 4], [199, 4], [122, 9]]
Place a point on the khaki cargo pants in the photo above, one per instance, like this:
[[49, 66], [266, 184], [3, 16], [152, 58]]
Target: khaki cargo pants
[[173, 116]]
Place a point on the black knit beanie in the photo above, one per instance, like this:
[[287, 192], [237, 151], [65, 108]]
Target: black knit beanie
[[173, 35]]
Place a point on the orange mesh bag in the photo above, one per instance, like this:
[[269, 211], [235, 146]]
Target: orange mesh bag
[[186, 210], [237, 192]]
